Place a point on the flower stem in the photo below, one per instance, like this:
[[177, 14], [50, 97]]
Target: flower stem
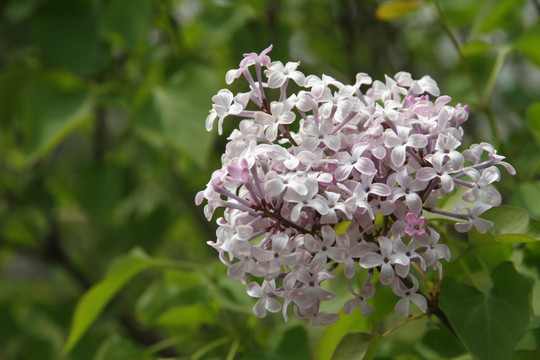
[[403, 322], [210, 346], [233, 349]]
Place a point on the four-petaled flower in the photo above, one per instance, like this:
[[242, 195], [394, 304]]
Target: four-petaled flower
[[416, 225]]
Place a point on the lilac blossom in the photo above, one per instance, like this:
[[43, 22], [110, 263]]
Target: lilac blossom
[[415, 225], [384, 258], [338, 179], [266, 295], [400, 140], [223, 106], [360, 300], [408, 295]]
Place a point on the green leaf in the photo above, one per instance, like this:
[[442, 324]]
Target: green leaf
[[443, 342], [527, 195], [511, 225], [12, 82], [127, 19], [352, 346], [94, 300], [54, 105], [533, 117], [533, 229], [503, 14], [333, 333], [374, 342], [489, 324], [163, 294], [117, 348], [507, 220], [186, 319], [67, 34], [294, 345], [528, 44], [358, 345], [98, 190], [475, 48], [182, 107], [396, 9], [527, 355]]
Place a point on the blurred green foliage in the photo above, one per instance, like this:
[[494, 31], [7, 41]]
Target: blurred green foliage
[[103, 148]]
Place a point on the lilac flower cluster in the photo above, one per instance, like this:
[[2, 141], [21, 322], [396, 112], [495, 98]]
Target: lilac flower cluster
[[300, 166]]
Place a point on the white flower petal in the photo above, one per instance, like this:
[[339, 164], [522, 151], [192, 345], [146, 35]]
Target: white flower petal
[[417, 141], [351, 305], [273, 305], [398, 155], [402, 307]]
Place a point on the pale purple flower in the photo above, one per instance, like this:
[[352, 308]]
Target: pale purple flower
[[352, 252], [317, 134], [309, 200], [446, 150], [409, 253], [283, 252], [279, 184], [278, 74], [238, 173], [310, 292], [434, 251], [482, 188], [399, 141], [348, 162], [407, 296], [319, 86], [323, 249], [481, 225], [279, 116], [384, 258], [359, 300], [266, 293], [409, 188], [425, 84], [223, 106], [246, 263], [261, 59], [441, 172]]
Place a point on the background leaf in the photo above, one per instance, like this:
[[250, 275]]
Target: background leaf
[[511, 225], [334, 333], [182, 106], [499, 14], [528, 44], [352, 346], [55, 104], [95, 300], [489, 324], [128, 20], [396, 9], [533, 116], [67, 33]]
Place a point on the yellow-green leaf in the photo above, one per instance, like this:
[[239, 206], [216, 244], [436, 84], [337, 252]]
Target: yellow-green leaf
[[528, 44], [396, 9], [533, 119], [335, 332], [475, 48], [94, 301]]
